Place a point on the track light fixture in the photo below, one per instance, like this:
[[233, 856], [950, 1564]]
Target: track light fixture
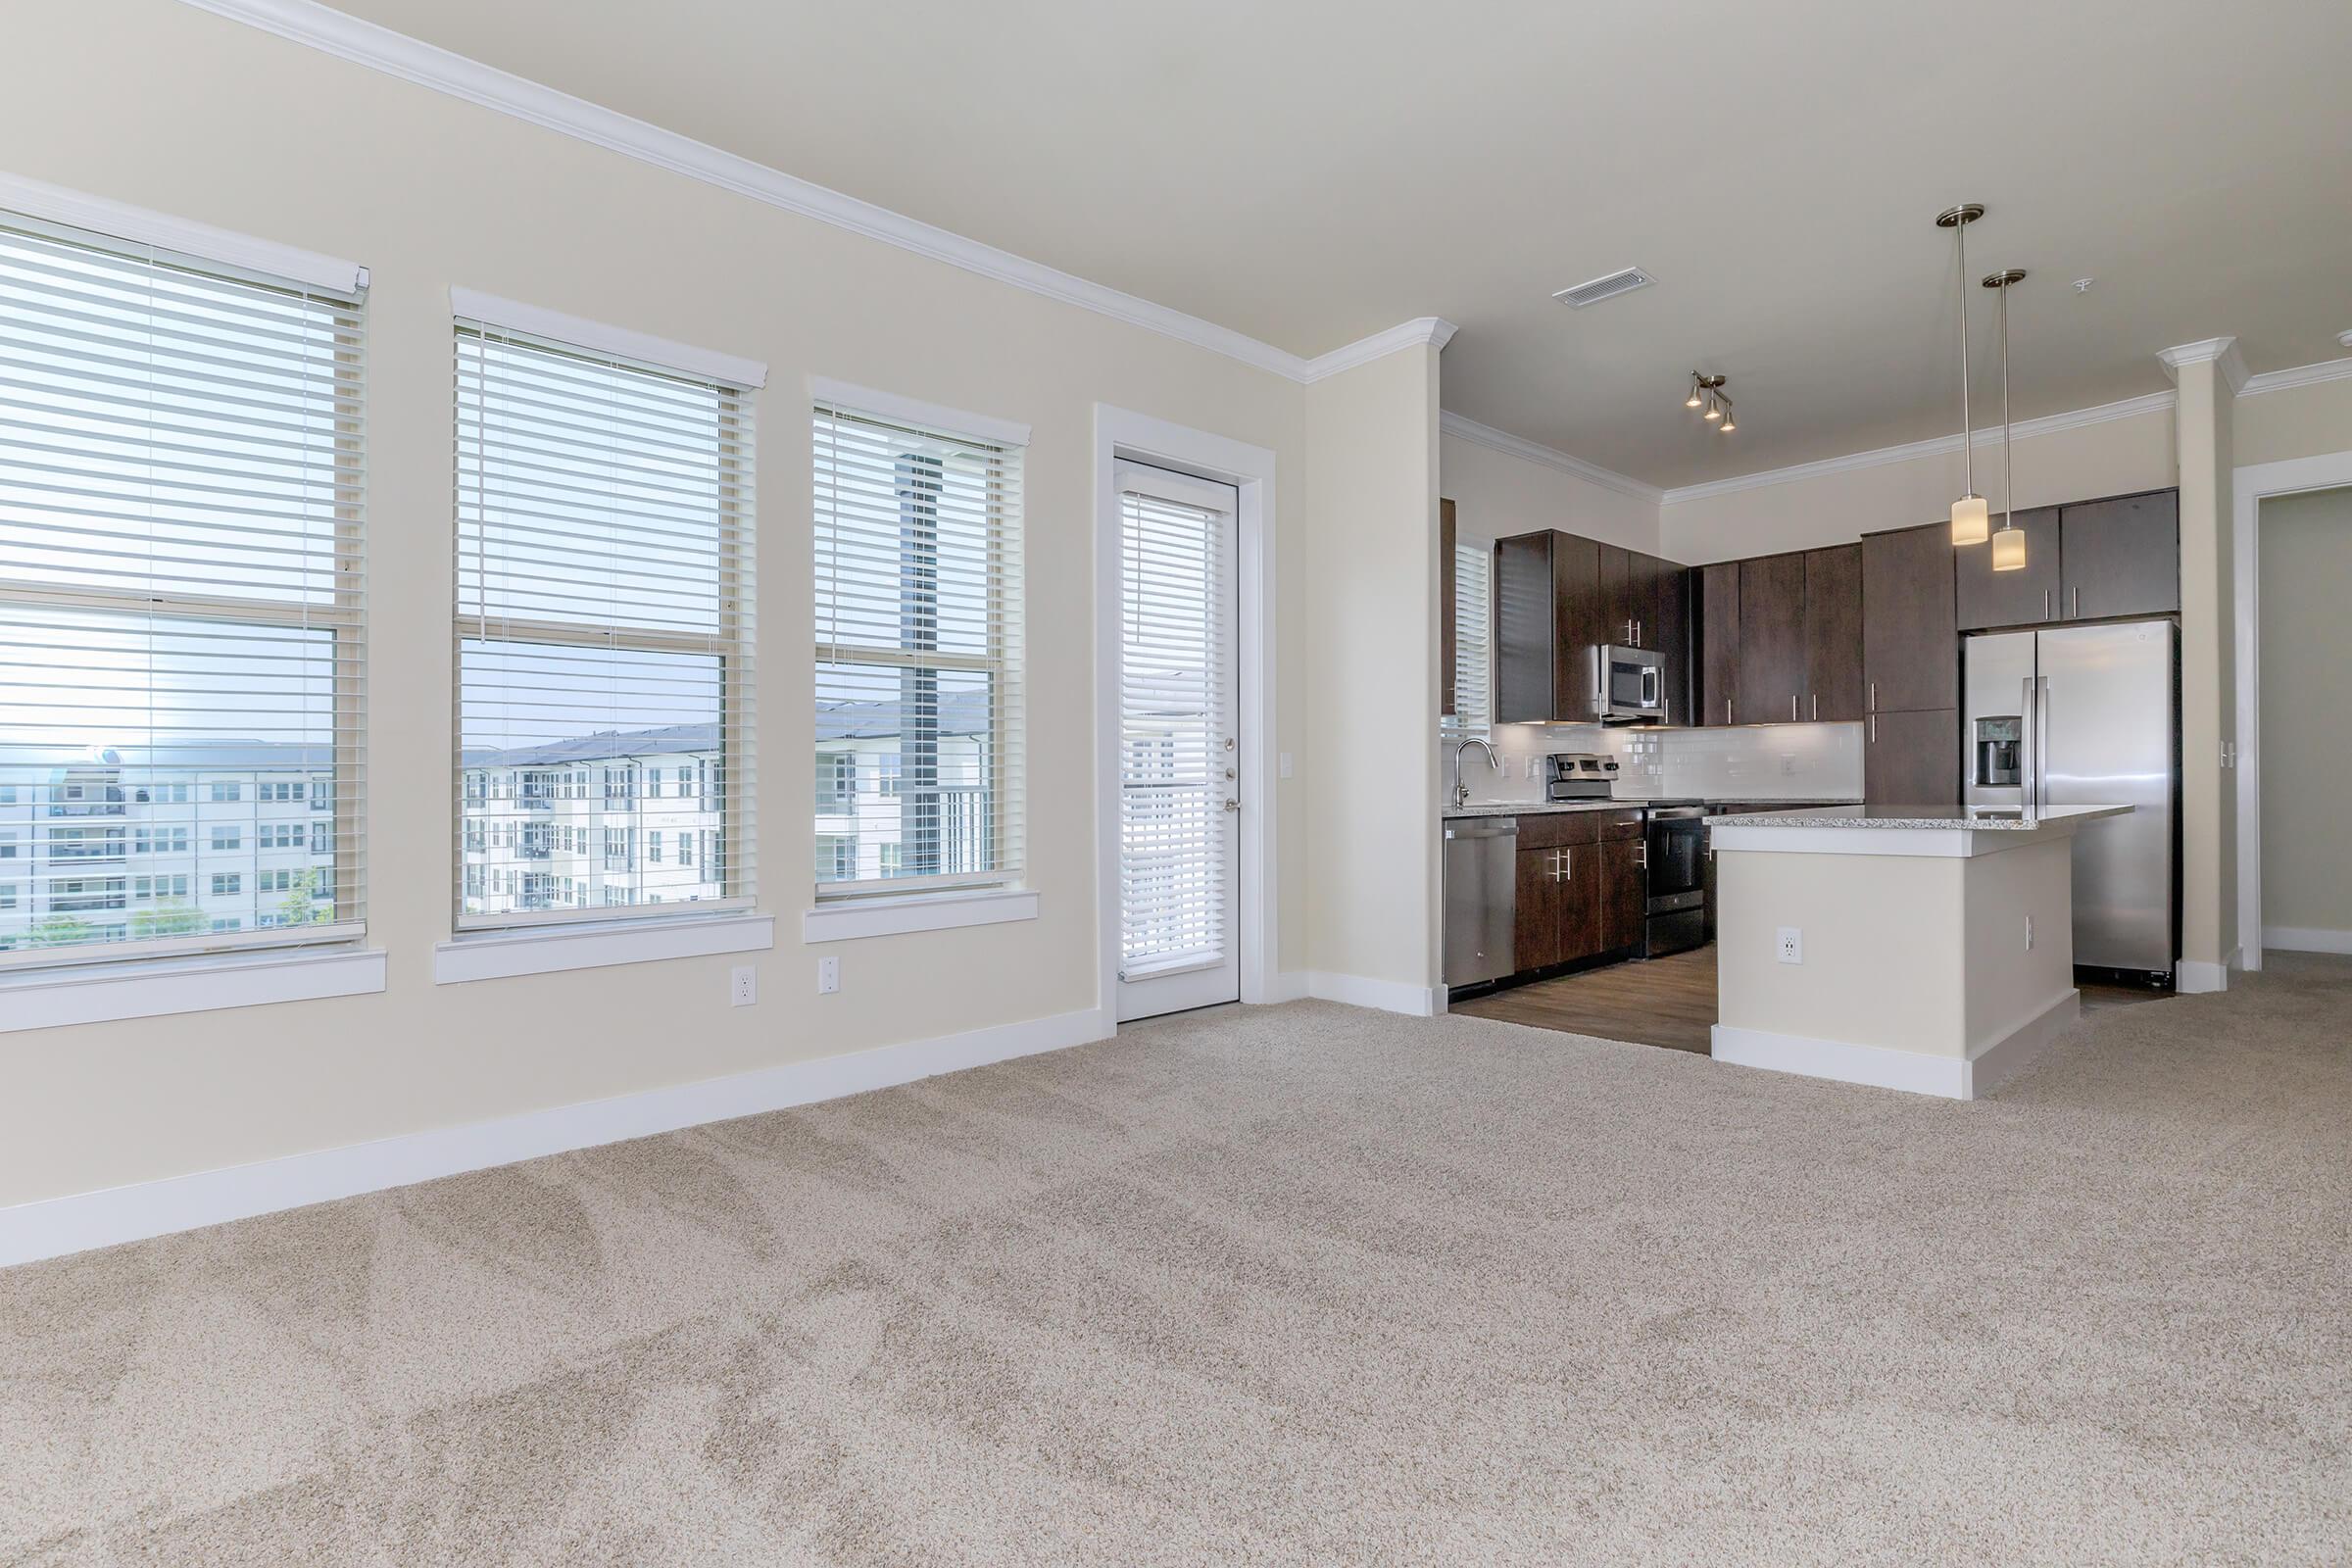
[[1706, 396]]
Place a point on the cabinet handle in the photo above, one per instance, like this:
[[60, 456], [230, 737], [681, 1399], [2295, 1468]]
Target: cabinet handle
[[1817, 706], [1793, 707], [1874, 729], [2045, 603], [1568, 856], [1726, 710], [1638, 626], [2078, 604], [1874, 696]]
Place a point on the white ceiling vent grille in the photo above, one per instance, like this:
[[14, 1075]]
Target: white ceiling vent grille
[[1603, 288]]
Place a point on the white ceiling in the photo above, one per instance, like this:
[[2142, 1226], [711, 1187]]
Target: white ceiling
[[1311, 172]]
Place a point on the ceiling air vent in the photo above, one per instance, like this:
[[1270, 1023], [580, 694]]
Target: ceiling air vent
[[1602, 288]]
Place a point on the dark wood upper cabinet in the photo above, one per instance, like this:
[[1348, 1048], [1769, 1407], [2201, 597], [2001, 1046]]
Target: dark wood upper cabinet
[[2026, 597], [2120, 556], [1910, 622], [1622, 601], [1547, 618], [1772, 640], [1833, 634], [1446, 586], [1673, 639], [1718, 657], [1912, 758]]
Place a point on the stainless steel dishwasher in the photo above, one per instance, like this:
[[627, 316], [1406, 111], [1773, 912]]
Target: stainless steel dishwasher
[[1481, 897]]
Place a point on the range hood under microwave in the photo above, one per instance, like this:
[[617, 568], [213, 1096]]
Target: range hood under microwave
[[1628, 686]]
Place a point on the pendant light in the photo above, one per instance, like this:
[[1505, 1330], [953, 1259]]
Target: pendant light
[[1971, 517], [2008, 545]]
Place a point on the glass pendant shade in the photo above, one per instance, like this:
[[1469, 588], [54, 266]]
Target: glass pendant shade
[[1972, 521], [2009, 549]]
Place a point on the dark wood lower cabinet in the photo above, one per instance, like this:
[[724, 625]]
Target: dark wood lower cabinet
[[1912, 758], [1623, 897]]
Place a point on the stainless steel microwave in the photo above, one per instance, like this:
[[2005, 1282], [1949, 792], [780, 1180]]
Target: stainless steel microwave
[[1629, 685]]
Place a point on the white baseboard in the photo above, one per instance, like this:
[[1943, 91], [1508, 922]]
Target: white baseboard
[[2193, 977], [1885, 1067], [1291, 985], [1389, 996], [2306, 939], [55, 1226], [2007, 1057]]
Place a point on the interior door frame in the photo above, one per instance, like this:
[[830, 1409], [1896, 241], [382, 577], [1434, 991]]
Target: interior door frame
[[2249, 487], [1143, 438]]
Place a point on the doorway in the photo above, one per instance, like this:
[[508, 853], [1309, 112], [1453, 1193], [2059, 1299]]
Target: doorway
[[1180, 758]]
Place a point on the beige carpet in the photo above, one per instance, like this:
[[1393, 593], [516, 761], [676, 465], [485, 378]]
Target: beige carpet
[[1304, 1284]]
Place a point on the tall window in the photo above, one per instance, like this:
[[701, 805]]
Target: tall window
[[918, 700], [180, 594], [1473, 660], [603, 628]]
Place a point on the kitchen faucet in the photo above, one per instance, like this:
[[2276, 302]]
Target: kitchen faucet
[[1461, 791]]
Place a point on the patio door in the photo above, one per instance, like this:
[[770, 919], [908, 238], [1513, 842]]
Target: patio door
[[1180, 765]]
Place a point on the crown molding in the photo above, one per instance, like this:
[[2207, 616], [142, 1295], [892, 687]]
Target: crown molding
[[2297, 375], [1432, 331], [411, 60], [1486, 435], [2221, 350], [1880, 456]]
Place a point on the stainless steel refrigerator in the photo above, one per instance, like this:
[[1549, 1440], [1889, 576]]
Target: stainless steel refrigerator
[[2080, 715]]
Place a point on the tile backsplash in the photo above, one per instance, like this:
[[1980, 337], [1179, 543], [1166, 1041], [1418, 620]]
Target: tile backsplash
[[1759, 762]]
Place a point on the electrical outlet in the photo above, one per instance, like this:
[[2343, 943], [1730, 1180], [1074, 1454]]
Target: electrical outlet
[[2029, 932], [743, 986], [1788, 764], [828, 976], [1286, 765], [1793, 945]]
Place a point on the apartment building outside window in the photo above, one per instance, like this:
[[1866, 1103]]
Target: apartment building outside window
[[603, 628], [180, 538], [918, 672]]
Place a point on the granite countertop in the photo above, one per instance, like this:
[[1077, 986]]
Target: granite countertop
[[1622, 803], [1997, 819]]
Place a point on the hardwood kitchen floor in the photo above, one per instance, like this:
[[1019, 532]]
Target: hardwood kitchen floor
[[1665, 1001]]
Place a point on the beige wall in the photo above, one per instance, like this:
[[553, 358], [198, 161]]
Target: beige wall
[[163, 106], [2112, 457], [1371, 581], [2301, 421], [1496, 494], [2305, 557], [2208, 671]]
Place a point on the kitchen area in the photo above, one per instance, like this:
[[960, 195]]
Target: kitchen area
[[1629, 705]]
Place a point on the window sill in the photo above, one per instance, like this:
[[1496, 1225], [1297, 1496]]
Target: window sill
[[100, 993], [497, 955], [916, 911]]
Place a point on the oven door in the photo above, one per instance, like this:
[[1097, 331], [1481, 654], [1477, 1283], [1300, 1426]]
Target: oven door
[[1678, 857], [1630, 683]]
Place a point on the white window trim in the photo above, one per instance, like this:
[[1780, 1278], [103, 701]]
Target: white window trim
[[893, 915], [104, 992], [935, 417], [119, 220], [573, 331], [498, 954]]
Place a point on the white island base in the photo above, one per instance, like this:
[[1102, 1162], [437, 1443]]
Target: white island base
[[1934, 946]]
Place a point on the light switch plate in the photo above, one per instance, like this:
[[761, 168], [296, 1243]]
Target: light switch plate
[[828, 976]]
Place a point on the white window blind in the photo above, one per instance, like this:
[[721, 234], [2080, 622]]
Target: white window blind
[[1175, 723], [1473, 652], [181, 602], [604, 632], [918, 657]]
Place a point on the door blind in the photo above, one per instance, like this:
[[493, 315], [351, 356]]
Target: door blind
[[919, 712], [182, 666], [1175, 737], [606, 702]]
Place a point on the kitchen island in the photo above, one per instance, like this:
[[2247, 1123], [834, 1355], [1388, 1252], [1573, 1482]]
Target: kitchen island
[[1920, 948]]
